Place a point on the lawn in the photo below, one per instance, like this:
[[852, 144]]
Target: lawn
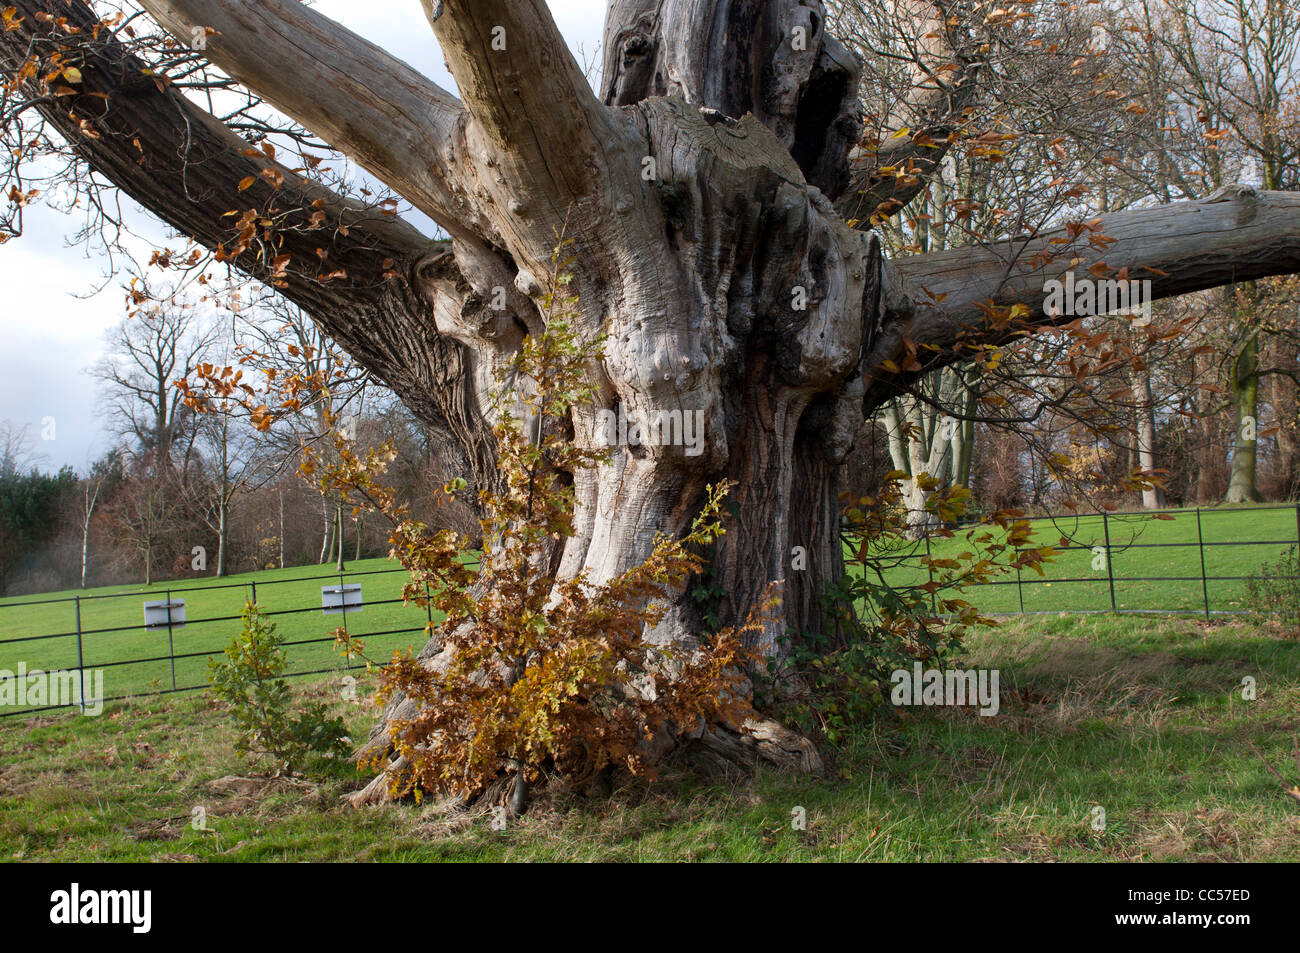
[[1156, 563], [40, 631], [113, 632], [1142, 717]]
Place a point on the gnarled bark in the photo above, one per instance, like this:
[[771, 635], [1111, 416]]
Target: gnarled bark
[[698, 192]]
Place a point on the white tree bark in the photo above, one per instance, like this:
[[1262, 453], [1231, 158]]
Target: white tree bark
[[699, 192]]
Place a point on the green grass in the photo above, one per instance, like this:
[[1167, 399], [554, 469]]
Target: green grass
[[1141, 716], [112, 617], [1140, 547], [112, 622]]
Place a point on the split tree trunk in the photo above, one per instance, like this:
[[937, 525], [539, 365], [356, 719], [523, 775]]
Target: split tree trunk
[[699, 195]]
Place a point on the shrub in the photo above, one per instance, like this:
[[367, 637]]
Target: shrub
[[537, 677], [1274, 591], [249, 679], [833, 681]]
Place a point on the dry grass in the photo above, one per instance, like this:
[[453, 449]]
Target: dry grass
[[1140, 717]]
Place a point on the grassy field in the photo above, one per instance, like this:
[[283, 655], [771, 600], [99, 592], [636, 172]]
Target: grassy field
[[1238, 540], [112, 622], [1142, 717]]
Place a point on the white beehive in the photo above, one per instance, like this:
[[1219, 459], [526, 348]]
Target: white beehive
[[336, 599], [165, 614]]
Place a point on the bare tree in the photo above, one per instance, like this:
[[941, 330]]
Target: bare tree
[[16, 449], [106, 471], [234, 461], [1237, 66], [142, 514], [283, 341], [157, 344]]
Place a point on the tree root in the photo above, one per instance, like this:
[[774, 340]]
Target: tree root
[[722, 751], [717, 751]]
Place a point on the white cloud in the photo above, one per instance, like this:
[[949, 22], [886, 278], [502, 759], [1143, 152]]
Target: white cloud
[[48, 335]]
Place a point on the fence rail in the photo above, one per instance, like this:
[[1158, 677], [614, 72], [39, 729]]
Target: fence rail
[[87, 637], [1103, 543]]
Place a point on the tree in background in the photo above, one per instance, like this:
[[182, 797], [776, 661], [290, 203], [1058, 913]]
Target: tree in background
[[231, 461], [31, 502], [1237, 65], [158, 343], [100, 483], [146, 516], [325, 383], [725, 210]]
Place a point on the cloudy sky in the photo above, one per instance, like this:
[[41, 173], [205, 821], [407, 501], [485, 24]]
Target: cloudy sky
[[52, 324]]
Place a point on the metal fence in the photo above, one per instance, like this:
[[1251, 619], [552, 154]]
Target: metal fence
[[1106, 542], [157, 673]]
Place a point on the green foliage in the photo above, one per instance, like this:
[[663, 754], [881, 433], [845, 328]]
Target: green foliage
[[1275, 590], [832, 682], [539, 677], [249, 679], [29, 513], [707, 592], [838, 688]]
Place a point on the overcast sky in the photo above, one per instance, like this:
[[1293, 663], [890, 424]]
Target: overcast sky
[[52, 327]]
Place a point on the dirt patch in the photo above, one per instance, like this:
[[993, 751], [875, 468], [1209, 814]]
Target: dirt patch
[[1215, 833], [169, 828], [242, 793], [56, 786]]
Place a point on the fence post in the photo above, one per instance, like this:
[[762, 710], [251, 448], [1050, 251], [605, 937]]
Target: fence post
[[171, 644], [81, 671], [934, 606], [1110, 570], [1020, 591], [253, 584], [343, 603], [1200, 544]]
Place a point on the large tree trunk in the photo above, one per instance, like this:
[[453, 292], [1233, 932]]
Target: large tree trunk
[[700, 198]]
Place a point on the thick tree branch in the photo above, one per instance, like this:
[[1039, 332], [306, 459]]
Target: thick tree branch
[[772, 58], [1235, 235], [539, 140], [353, 268], [396, 123]]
